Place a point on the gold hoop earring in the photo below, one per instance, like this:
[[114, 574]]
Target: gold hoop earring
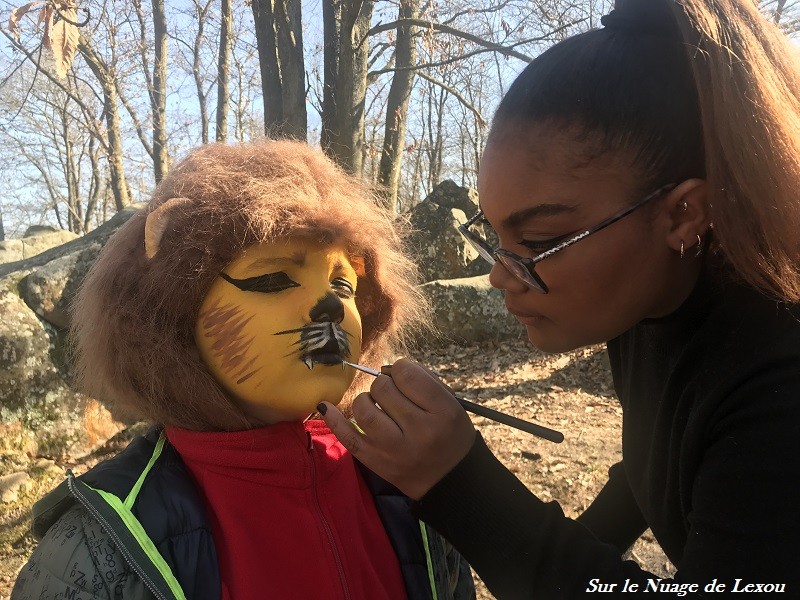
[[681, 248], [699, 250]]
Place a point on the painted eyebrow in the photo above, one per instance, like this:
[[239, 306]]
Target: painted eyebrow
[[342, 267], [298, 258], [517, 218]]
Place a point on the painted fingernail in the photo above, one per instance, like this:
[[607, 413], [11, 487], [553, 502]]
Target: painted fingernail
[[321, 408]]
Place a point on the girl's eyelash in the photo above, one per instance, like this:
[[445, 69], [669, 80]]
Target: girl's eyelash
[[544, 245], [539, 246]]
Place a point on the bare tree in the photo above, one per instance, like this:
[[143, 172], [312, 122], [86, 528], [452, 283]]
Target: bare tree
[[346, 29], [223, 71], [243, 95], [56, 150], [279, 36], [114, 139], [397, 105], [784, 13], [156, 81], [197, 59]]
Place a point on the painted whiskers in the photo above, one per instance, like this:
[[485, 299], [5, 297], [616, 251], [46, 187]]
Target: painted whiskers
[[325, 343]]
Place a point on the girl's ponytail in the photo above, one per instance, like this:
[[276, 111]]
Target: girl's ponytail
[[748, 88]]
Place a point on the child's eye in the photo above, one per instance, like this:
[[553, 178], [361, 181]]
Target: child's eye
[[342, 287], [269, 283]]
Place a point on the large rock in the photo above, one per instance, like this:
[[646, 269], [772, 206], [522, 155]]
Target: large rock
[[49, 289], [96, 236], [35, 241], [470, 309], [451, 195], [32, 390], [35, 397], [440, 251]]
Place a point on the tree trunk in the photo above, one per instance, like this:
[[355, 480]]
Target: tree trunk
[[114, 154], [779, 11], [289, 35], [344, 140], [331, 17], [116, 164], [264, 19], [397, 107], [201, 12], [279, 36], [96, 189], [72, 179], [158, 95], [223, 72]]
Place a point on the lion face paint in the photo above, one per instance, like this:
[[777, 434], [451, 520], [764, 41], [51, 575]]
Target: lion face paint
[[276, 324]]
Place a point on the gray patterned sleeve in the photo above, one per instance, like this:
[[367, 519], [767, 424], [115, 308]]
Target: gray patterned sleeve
[[77, 560]]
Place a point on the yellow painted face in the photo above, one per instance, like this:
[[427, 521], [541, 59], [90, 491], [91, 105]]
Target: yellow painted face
[[276, 323]]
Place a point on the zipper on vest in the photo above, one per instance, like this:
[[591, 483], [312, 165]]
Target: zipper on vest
[[323, 520], [97, 514]]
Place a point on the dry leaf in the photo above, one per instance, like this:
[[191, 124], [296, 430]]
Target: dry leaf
[[47, 17], [44, 14], [17, 14], [64, 38]]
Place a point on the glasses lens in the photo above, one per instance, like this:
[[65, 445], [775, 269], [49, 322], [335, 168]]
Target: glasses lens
[[481, 245], [521, 272]]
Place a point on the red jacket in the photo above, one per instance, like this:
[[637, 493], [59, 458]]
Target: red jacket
[[290, 514]]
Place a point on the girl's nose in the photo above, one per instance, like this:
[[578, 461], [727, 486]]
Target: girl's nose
[[328, 309], [502, 279]]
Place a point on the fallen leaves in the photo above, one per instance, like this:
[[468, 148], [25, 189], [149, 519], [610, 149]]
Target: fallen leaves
[[572, 393]]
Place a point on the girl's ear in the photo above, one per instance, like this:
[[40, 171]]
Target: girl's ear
[[689, 214], [157, 223]]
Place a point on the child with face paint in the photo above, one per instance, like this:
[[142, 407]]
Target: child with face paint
[[608, 161], [222, 313]]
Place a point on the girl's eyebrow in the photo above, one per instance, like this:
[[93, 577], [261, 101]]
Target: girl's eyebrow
[[518, 217]]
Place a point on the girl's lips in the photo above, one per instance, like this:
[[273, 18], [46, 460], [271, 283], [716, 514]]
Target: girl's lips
[[525, 318]]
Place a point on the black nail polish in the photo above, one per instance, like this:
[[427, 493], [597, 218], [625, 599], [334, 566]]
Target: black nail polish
[[321, 408]]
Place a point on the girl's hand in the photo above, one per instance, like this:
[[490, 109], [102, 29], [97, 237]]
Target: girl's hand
[[414, 436]]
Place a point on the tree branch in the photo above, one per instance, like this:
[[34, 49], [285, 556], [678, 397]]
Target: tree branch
[[472, 11], [374, 74], [453, 92], [507, 50], [452, 31]]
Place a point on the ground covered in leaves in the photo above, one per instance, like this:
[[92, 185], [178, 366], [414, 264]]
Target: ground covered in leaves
[[571, 393]]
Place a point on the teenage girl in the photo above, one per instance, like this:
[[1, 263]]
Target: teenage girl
[[644, 182]]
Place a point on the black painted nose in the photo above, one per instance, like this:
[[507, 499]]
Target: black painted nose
[[329, 309]]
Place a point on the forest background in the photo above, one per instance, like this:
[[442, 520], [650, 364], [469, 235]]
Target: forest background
[[98, 98]]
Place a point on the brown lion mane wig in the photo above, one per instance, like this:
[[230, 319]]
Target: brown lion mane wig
[[134, 316]]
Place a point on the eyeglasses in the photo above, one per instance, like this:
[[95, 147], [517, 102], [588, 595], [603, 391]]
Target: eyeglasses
[[523, 268]]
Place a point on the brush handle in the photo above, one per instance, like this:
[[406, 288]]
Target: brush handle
[[496, 415]]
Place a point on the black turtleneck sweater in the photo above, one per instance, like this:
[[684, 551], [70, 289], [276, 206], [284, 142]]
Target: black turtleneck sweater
[[711, 463]]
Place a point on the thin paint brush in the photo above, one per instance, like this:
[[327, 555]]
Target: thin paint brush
[[494, 415]]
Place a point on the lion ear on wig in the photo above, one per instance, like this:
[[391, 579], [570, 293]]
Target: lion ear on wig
[[157, 222], [359, 265]]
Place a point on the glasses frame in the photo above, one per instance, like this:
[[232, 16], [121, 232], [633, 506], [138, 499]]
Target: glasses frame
[[523, 268]]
